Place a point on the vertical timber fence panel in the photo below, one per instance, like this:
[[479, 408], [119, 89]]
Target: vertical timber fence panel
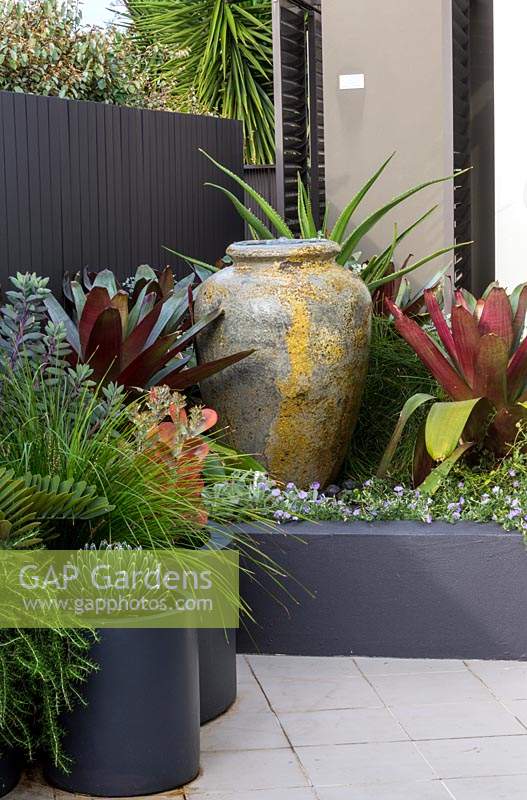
[[93, 185]]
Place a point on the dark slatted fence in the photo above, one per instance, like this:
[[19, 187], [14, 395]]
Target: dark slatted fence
[[89, 184]]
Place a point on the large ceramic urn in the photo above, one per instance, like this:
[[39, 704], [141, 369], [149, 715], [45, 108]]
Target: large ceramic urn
[[294, 402]]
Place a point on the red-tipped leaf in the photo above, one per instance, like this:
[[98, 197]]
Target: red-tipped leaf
[[441, 325], [430, 355], [135, 343], [189, 377], [466, 336], [97, 301], [103, 351], [496, 316], [491, 370], [146, 364], [518, 323], [517, 372]]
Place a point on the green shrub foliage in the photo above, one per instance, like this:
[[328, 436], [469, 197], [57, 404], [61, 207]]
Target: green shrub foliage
[[45, 49]]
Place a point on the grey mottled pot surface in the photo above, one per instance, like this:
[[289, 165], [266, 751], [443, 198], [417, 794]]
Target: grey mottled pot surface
[[294, 402]]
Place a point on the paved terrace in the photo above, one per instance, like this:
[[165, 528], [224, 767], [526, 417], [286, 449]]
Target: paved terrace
[[362, 729]]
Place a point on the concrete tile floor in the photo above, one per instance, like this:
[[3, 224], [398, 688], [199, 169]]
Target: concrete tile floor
[[362, 729]]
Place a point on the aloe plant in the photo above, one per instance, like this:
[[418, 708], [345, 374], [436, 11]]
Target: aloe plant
[[376, 272], [139, 339], [480, 360]]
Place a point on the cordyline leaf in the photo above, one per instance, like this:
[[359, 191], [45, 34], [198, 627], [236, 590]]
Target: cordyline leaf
[[517, 372], [441, 325], [103, 351], [340, 227], [409, 408], [490, 379], [271, 213], [434, 480], [58, 315], [97, 301], [466, 336], [430, 355], [136, 342], [189, 377], [445, 425], [497, 316]]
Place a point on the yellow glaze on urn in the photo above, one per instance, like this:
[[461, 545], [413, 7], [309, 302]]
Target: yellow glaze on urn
[[294, 402]]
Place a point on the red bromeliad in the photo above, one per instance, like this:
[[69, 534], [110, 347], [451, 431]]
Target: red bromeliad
[[480, 360], [141, 339]]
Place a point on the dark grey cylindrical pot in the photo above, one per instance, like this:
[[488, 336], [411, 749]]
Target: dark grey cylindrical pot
[[10, 771], [217, 671], [139, 733], [217, 657]]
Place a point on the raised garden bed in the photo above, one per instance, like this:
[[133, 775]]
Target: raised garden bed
[[399, 589]]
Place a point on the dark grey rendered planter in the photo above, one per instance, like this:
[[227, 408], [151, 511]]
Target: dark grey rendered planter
[[217, 659], [10, 771], [400, 589], [139, 733]]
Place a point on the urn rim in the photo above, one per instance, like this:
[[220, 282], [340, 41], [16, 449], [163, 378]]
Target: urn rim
[[295, 249]]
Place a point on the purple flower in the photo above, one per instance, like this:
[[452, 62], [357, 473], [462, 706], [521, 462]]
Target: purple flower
[[315, 486], [302, 495], [496, 490], [369, 482], [290, 486], [276, 493], [515, 512], [262, 485], [428, 519], [512, 473], [516, 484], [461, 485], [398, 489], [356, 512], [278, 514]]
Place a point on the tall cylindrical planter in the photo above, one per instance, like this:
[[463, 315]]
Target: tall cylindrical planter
[[217, 656], [217, 671], [294, 402], [10, 770], [139, 732]]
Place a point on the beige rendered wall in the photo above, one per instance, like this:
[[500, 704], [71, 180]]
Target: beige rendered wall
[[403, 47]]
